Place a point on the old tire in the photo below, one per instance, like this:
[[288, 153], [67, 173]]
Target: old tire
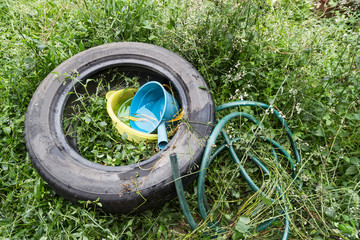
[[121, 189]]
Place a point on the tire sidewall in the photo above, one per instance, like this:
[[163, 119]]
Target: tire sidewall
[[124, 188]]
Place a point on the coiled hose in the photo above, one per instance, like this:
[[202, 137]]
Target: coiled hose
[[209, 156]]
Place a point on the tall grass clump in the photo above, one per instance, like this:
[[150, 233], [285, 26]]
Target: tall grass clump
[[283, 53]]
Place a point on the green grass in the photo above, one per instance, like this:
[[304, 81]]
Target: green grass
[[96, 138], [277, 52]]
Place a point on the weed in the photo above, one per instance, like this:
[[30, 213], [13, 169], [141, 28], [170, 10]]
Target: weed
[[96, 137], [277, 52]]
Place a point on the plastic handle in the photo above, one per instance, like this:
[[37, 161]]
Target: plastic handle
[[162, 135]]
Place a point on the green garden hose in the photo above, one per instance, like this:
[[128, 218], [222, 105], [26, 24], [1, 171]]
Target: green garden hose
[[210, 154]]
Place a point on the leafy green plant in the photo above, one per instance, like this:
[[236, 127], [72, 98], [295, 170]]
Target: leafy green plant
[[96, 137], [277, 52]]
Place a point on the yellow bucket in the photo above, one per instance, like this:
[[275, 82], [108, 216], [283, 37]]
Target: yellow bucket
[[115, 99]]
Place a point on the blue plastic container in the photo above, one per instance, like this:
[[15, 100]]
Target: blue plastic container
[[152, 107]]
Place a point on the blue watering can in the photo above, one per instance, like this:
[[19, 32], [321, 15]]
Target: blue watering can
[[151, 108]]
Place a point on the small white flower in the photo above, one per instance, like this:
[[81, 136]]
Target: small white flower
[[298, 109], [304, 178]]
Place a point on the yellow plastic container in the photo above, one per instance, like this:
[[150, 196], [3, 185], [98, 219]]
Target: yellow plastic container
[[114, 100]]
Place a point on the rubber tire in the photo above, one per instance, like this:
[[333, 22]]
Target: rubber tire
[[120, 189]]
